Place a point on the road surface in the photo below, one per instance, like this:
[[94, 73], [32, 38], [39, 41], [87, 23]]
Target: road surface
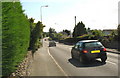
[[56, 61]]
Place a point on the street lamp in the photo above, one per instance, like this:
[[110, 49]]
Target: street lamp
[[41, 10], [41, 18]]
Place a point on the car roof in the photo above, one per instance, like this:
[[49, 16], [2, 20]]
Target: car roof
[[89, 41]]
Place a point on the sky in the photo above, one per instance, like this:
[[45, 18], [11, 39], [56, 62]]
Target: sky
[[60, 14]]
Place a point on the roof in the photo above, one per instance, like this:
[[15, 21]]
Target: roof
[[88, 41]]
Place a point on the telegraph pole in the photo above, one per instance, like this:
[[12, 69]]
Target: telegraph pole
[[75, 20]]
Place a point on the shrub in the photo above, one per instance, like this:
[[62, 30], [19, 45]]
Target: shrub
[[15, 36], [50, 39]]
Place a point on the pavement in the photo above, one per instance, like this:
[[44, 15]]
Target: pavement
[[44, 65]]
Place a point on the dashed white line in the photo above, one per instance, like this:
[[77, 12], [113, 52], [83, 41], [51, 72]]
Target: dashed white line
[[57, 64]]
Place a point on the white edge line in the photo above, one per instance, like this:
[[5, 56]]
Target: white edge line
[[57, 64], [111, 62]]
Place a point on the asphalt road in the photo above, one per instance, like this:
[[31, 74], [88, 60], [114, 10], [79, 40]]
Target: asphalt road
[[57, 61]]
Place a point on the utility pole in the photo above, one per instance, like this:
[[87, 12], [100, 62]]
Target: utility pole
[[75, 20]]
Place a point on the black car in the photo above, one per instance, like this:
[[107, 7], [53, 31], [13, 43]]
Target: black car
[[52, 43], [88, 50]]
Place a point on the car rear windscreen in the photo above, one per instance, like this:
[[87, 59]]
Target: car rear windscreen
[[93, 44]]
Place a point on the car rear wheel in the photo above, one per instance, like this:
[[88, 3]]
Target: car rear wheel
[[103, 59], [72, 56]]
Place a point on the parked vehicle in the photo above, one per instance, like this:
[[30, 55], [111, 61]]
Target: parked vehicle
[[88, 50], [52, 43]]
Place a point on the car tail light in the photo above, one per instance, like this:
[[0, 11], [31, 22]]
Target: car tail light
[[104, 49], [85, 51]]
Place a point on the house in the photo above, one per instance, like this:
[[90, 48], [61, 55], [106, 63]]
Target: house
[[109, 31]]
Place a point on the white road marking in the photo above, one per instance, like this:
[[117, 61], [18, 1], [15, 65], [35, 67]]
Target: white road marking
[[112, 62], [109, 62], [57, 64]]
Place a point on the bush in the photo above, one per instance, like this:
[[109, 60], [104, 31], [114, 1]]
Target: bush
[[15, 36], [85, 36], [50, 39]]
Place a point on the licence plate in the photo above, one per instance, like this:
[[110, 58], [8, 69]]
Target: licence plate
[[95, 51]]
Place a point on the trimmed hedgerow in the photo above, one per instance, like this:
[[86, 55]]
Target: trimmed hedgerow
[[15, 36]]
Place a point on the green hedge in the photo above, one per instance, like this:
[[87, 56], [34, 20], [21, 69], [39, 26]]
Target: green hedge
[[0, 39], [15, 36]]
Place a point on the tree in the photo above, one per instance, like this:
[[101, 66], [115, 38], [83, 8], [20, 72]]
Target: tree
[[59, 36], [52, 33], [46, 34], [67, 31], [31, 20], [97, 34], [88, 30], [114, 35], [52, 30], [35, 36], [79, 29]]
